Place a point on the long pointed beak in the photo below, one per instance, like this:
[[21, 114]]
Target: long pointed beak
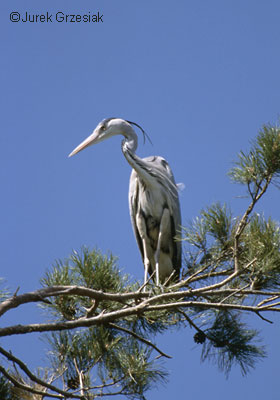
[[92, 139]]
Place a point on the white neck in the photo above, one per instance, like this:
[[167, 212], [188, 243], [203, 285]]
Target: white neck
[[129, 146], [131, 140]]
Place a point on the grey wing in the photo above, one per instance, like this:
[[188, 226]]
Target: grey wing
[[161, 166], [177, 261], [133, 208], [176, 223]]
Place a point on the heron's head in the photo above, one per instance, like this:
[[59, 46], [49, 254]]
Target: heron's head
[[105, 129]]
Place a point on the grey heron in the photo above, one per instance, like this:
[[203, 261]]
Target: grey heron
[[153, 201]]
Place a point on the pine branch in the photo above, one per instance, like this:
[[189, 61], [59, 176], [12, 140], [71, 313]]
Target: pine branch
[[272, 298], [244, 220], [29, 389], [41, 294], [142, 308], [33, 377]]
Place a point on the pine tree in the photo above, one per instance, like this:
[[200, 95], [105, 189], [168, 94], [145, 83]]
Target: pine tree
[[102, 325]]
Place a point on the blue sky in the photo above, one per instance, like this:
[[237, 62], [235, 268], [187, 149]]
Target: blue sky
[[201, 77]]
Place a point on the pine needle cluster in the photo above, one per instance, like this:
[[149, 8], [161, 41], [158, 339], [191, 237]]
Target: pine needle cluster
[[107, 358], [231, 342], [246, 247], [262, 162]]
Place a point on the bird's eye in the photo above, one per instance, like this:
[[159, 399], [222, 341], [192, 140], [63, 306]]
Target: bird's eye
[[102, 128]]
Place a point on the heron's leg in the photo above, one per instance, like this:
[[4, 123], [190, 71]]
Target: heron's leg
[[141, 225], [164, 227]]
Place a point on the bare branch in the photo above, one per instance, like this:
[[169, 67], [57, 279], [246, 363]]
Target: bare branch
[[41, 294], [144, 307], [81, 378], [29, 389], [90, 311], [270, 306], [268, 300], [139, 338], [235, 293], [263, 318], [208, 305], [142, 287], [190, 321], [33, 377]]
